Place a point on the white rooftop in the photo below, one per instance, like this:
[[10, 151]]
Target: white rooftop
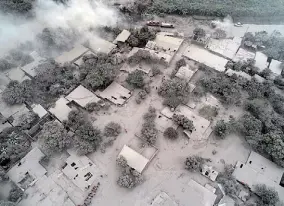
[[199, 195], [61, 109], [163, 199], [122, 37], [39, 110], [275, 67], [226, 201], [9, 110], [80, 170], [243, 55], [185, 73], [98, 45], [16, 74], [82, 96], [230, 72], [201, 55], [265, 167], [225, 47], [261, 60], [72, 55], [29, 164], [167, 43], [134, 159], [30, 68], [259, 78], [259, 171], [115, 93]]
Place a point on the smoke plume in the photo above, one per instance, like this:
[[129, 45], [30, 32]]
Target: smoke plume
[[78, 16]]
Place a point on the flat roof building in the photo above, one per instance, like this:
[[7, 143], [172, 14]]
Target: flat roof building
[[134, 159], [259, 170], [61, 109], [185, 73], [163, 199], [226, 201], [82, 96], [115, 93], [122, 37], [199, 195], [72, 55], [80, 170], [275, 67], [30, 69], [261, 61], [28, 170], [16, 74], [225, 47], [39, 110], [203, 56], [99, 45], [243, 55], [167, 43]]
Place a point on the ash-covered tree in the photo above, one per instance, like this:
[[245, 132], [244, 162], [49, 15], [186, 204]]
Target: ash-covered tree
[[27, 120], [171, 133], [183, 121], [155, 71], [75, 119], [175, 91], [149, 132], [54, 137], [226, 88], [222, 129], [7, 203], [112, 129], [199, 32], [194, 163], [18, 93], [136, 79], [140, 36], [142, 56], [88, 138], [14, 145], [16, 7], [5, 65], [230, 185], [129, 177], [267, 196], [15, 193]]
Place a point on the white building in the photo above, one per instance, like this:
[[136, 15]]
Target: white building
[[261, 61], [30, 69], [259, 170], [72, 55], [134, 159], [203, 56], [275, 67], [39, 110], [80, 170], [98, 45], [115, 93], [61, 109], [16, 74], [243, 55], [185, 73], [225, 47], [122, 37], [28, 170], [82, 96]]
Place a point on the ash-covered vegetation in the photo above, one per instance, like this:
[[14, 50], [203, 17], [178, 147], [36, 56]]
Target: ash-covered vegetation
[[234, 8]]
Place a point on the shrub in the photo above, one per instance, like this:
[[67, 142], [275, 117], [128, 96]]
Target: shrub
[[15, 193], [112, 129], [156, 71], [171, 133], [194, 163], [183, 121], [222, 129], [136, 79], [121, 161], [267, 196], [209, 112]]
